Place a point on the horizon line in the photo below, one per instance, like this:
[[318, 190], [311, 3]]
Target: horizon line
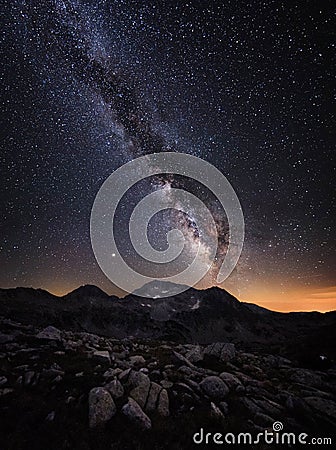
[[191, 287]]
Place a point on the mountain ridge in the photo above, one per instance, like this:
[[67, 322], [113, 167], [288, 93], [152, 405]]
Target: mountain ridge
[[193, 316], [92, 290]]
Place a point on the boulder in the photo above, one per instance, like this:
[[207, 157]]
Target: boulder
[[304, 376], [102, 356], [223, 351], [152, 398], [166, 384], [276, 361], [180, 360], [135, 414], [50, 333], [123, 375], [322, 406], [115, 388], [163, 403], [195, 354], [101, 407], [140, 394], [137, 360], [109, 373], [231, 380], [214, 387], [153, 395], [136, 378]]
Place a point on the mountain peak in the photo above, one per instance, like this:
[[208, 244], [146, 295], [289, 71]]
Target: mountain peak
[[87, 290]]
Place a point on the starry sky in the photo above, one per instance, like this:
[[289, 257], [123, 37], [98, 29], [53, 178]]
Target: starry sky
[[246, 86]]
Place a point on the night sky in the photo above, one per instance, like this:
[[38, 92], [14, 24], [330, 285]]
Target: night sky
[[246, 86]]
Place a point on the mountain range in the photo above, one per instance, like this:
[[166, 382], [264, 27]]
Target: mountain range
[[193, 316]]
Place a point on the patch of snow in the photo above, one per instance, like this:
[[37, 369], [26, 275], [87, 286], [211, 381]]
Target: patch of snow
[[196, 305]]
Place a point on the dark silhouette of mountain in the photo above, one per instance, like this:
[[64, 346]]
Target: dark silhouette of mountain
[[87, 291], [198, 316], [26, 294]]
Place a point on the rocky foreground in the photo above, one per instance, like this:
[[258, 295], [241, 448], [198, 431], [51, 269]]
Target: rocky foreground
[[68, 390]]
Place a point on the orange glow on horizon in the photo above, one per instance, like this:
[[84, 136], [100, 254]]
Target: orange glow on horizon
[[294, 300]]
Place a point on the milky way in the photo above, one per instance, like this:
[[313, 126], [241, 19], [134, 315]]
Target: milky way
[[92, 85]]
